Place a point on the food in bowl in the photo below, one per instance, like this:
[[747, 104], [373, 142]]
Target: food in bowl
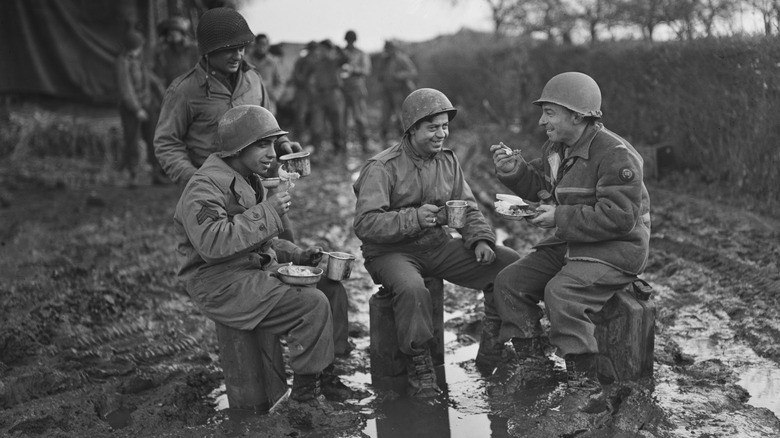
[[512, 207], [299, 275]]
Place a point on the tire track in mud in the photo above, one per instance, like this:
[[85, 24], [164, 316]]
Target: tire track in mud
[[118, 350], [753, 301], [734, 271]]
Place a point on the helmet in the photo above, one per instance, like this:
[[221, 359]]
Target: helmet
[[222, 28], [350, 36], [175, 22], [243, 125], [575, 91], [422, 103], [134, 40]]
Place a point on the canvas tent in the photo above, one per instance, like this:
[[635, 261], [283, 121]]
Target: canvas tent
[[66, 48]]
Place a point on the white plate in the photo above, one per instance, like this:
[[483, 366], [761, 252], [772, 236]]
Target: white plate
[[512, 199]]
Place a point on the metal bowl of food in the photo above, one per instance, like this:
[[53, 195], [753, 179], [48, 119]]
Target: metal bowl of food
[[296, 275]]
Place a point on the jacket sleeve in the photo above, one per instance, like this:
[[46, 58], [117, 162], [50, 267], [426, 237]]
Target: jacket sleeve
[[287, 251], [127, 93], [618, 202], [525, 180], [216, 236], [169, 146], [374, 221]]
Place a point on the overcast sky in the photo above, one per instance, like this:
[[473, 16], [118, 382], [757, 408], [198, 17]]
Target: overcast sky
[[375, 21]]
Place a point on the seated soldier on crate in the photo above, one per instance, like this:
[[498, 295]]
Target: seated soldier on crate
[[227, 228], [589, 183], [400, 218]]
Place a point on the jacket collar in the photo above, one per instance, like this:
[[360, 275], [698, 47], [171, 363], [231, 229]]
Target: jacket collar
[[416, 158], [206, 78], [241, 188], [582, 147]]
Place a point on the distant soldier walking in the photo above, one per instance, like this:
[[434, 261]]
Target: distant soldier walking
[[354, 72], [397, 76], [176, 53], [269, 68], [140, 93]]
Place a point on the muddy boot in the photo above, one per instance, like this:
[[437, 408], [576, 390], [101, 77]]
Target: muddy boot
[[306, 390], [530, 368], [491, 351], [584, 392], [332, 387], [422, 376]]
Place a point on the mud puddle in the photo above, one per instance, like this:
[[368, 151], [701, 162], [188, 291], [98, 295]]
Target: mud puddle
[[705, 336]]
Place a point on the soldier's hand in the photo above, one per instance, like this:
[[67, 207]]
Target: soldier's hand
[[281, 202], [290, 147], [545, 217], [142, 115], [485, 254], [504, 158], [427, 216], [311, 256]]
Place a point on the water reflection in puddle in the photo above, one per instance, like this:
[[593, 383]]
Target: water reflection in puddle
[[705, 336], [465, 414]]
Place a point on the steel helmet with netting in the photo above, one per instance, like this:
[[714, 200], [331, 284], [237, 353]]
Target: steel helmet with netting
[[222, 28], [422, 103], [243, 125], [575, 91]]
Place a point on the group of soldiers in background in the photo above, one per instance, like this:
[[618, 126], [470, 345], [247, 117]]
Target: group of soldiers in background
[[326, 91], [330, 91]]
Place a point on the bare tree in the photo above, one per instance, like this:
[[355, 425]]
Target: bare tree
[[596, 14], [502, 13], [711, 10], [555, 18], [645, 14], [681, 16], [769, 10]]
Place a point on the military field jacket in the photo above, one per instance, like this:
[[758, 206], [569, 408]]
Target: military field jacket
[[394, 184], [193, 104], [603, 208], [228, 246]]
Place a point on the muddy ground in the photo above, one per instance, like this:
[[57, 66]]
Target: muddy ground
[[97, 338]]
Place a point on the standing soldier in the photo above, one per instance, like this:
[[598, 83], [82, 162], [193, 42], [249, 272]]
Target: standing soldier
[[269, 68], [139, 97], [397, 77], [301, 83], [195, 101], [327, 97], [400, 215], [599, 210], [355, 71], [227, 229], [177, 53]]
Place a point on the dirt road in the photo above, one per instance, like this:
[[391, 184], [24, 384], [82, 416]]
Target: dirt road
[[98, 339]]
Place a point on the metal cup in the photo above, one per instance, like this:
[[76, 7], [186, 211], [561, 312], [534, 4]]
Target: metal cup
[[339, 265], [456, 213]]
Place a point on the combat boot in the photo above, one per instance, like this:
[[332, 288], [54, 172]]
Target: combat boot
[[422, 376], [529, 368], [584, 392], [491, 352], [305, 387], [332, 387]]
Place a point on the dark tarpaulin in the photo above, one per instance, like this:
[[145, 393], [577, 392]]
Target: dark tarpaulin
[[62, 48]]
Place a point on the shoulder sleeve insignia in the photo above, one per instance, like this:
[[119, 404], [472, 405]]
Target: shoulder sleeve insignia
[[626, 174], [206, 213]]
